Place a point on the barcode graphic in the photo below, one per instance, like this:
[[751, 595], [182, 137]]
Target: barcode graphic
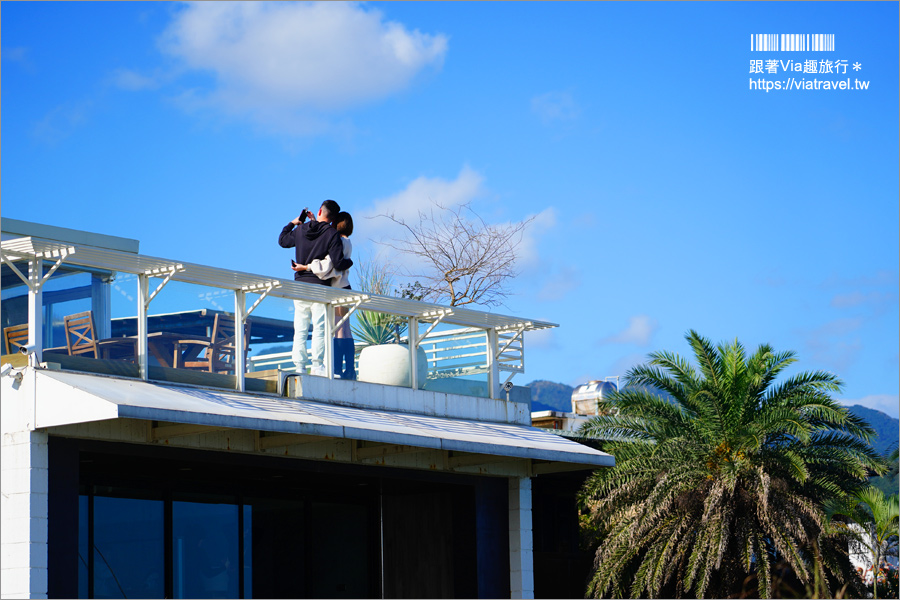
[[792, 42]]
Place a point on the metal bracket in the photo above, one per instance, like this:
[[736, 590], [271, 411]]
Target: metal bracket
[[350, 300], [438, 316], [358, 301], [169, 273], [255, 288], [520, 329], [34, 286]]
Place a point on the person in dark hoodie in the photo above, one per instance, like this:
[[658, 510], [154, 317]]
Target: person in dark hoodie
[[312, 240]]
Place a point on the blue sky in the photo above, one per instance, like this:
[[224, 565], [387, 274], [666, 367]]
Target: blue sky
[[667, 194]]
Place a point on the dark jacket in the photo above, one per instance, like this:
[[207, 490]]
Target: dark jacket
[[314, 240]]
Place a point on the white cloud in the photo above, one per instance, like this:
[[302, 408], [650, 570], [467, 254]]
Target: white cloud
[[528, 253], [420, 195], [421, 192], [886, 403], [17, 54], [875, 302], [271, 61], [555, 106], [62, 121], [128, 79], [559, 283], [834, 343], [640, 331], [625, 363], [542, 338]]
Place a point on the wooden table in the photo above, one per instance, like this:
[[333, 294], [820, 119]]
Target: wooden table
[[164, 346]]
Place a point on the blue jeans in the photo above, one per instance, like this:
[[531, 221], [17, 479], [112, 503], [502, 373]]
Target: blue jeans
[[343, 358], [304, 313]]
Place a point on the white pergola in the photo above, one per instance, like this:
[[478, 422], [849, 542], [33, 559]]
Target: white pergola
[[37, 251]]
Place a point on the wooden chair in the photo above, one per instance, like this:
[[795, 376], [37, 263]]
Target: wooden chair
[[81, 338], [218, 351], [16, 337]]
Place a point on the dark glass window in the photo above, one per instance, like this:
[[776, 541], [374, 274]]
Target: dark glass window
[[341, 560], [205, 551], [129, 558], [274, 542], [83, 547], [248, 551]]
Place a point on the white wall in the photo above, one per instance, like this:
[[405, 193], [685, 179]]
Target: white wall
[[24, 486], [521, 539]]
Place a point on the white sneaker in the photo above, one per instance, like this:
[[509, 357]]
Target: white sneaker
[[317, 370]]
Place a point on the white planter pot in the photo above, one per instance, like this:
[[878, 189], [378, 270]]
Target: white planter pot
[[388, 364]]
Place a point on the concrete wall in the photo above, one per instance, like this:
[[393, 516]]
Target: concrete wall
[[24, 470], [401, 399], [521, 545], [23, 504]]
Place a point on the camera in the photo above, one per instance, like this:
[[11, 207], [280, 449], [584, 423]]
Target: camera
[[27, 349], [508, 386]]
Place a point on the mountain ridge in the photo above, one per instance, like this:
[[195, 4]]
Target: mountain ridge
[[550, 395]]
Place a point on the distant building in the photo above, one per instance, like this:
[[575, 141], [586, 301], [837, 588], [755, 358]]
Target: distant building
[[585, 404], [862, 558], [132, 468]]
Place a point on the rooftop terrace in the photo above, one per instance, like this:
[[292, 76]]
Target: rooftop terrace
[[155, 319]]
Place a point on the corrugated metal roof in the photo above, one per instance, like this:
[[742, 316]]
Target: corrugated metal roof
[[64, 397], [125, 262]]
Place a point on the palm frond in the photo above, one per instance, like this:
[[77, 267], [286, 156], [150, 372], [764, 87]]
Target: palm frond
[[722, 474]]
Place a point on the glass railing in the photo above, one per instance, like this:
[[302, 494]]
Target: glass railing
[[179, 325]]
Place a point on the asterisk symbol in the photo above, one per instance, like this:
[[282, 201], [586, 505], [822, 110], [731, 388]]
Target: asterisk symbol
[[857, 66]]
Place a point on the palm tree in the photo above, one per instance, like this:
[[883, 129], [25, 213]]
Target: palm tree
[[721, 476], [877, 519], [373, 328]]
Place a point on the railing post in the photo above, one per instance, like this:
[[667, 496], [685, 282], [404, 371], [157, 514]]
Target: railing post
[[329, 341], [240, 319], [493, 371], [412, 332], [36, 308], [143, 301]]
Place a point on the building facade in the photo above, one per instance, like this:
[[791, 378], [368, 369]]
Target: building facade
[[127, 474]]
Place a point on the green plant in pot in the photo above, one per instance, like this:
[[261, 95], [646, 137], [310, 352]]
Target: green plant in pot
[[382, 358]]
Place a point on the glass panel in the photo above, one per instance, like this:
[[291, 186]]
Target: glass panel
[[277, 549], [69, 290], [457, 360], [248, 551], [83, 547], [271, 333], [340, 564], [14, 304], [205, 550], [128, 548]]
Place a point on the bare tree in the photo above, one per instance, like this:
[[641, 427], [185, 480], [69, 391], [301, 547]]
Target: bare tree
[[463, 259]]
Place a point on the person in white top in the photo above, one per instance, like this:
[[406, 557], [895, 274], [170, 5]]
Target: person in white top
[[324, 269]]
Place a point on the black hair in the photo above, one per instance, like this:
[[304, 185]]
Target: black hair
[[332, 209]]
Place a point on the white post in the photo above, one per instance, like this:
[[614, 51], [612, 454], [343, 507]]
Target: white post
[[143, 301], [36, 307], [240, 318], [329, 341], [25, 469], [412, 331], [521, 545], [493, 370]]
